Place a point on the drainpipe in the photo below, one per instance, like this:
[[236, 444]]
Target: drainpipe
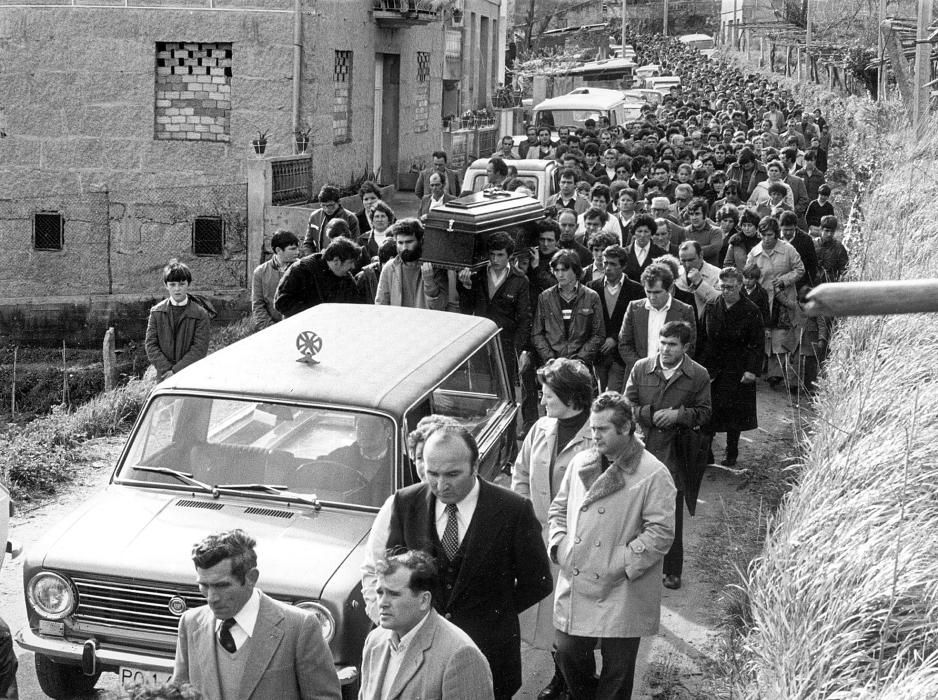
[[297, 60]]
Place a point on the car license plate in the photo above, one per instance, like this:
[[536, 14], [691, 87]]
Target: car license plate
[[137, 676]]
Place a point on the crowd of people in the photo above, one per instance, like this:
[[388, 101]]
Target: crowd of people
[[668, 276]]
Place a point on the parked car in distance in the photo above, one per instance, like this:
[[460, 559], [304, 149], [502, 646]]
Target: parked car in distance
[[702, 42], [539, 176], [295, 434]]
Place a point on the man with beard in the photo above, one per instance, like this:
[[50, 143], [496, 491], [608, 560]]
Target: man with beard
[[404, 281]]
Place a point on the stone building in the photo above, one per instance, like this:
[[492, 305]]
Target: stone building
[[128, 127]]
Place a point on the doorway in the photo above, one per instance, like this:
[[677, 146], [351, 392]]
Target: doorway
[[387, 117]]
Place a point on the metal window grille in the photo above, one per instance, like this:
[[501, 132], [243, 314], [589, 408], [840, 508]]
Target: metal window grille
[[291, 181], [208, 235], [48, 229], [423, 66]]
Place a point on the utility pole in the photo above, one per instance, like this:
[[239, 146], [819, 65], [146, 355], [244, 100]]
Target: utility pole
[[623, 28], [807, 35], [920, 96], [881, 54], [665, 30]]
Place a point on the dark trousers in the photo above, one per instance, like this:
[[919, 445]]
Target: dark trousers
[[529, 398], [578, 665], [732, 444], [674, 559]]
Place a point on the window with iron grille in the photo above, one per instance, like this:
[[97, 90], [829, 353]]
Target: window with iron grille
[[48, 229], [342, 102], [208, 235]]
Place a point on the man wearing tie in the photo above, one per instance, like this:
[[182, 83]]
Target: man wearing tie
[[244, 645], [487, 544], [416, 653]]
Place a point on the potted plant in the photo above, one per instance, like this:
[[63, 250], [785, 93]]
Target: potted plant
[[301, 136], [260, 143]]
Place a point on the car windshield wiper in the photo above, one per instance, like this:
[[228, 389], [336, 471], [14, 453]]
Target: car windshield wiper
[[265, 488], [181, 476], [275, 490]]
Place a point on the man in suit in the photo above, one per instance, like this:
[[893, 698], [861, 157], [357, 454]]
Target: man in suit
[[615, 291], [644, 318], [244, 645], [415, 652], [799, 190], [451, 181], [487, 543], [641, 251], [438, 196]]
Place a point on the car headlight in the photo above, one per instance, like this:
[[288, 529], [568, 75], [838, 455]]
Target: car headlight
[[326, 620], [51, 595]]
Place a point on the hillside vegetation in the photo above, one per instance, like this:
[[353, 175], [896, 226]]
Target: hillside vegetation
[[843, 601]]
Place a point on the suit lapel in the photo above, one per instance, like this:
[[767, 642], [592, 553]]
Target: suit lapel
[[414, 656], [204, 644], [268, 631], [476, 546]]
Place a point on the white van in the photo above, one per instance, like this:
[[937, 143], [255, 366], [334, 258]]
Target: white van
[[574, 108]]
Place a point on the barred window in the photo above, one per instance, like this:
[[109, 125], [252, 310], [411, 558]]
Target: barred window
[[48, 230], [342, 100], [208, 235]]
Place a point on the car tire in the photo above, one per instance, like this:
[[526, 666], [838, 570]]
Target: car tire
[[62, 680]]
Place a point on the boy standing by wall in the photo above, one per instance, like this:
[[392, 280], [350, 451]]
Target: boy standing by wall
[[178, 327]]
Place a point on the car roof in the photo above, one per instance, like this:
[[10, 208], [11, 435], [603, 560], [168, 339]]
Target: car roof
[[694, 37], [522, 164], [584, 98], [373, 357]]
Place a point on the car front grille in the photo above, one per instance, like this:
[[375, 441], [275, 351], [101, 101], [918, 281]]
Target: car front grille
[[131, 605]]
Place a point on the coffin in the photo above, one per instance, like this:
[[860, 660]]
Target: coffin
[[457, 233]]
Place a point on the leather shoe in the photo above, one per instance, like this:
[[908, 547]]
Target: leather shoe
[[555, 690], [673, 582]]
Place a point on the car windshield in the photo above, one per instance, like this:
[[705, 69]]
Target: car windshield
[[575, 118], [481, 181], [338, 456]]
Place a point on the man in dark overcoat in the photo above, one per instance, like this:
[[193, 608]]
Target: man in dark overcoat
[[733, 352]]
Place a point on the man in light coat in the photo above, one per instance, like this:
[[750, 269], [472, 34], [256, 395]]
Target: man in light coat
[[404, 281], [609, 527], [415, 652]]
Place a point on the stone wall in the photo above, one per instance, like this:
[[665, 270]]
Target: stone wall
[[86, 96]]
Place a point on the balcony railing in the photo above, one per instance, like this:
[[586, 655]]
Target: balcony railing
[[406, 13]]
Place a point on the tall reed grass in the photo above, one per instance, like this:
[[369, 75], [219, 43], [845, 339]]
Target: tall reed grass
[[844, 599]]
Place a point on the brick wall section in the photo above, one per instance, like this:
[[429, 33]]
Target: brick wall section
[[422, 106], [193, 91]]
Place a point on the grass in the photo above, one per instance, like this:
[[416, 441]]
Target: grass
[[843, 600], [41, 457]]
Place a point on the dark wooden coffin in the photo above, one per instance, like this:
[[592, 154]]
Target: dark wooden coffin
[[457, 233]]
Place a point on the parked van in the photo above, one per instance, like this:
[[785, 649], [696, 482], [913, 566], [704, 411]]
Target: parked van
[[539, 176], [574, 108], [270, 435], [663, 83]]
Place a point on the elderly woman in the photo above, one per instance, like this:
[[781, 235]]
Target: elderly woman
[[782, 269], [566, 392], [735, 338]]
